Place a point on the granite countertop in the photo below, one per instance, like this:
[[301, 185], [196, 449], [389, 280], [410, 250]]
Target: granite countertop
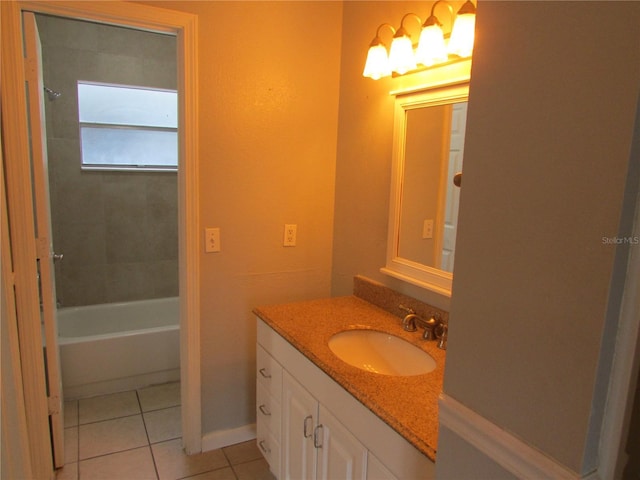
[[408, 404]]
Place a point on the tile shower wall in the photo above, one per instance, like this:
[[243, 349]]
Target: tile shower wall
[[117, 230]]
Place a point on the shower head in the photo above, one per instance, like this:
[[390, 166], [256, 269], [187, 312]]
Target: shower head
[[52, 94]]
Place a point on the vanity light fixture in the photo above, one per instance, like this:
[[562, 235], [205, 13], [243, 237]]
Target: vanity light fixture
[[461, 42], [401, 57], [377, 65], [431, 49]]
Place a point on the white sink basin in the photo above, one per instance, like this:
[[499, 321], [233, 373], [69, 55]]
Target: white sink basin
[[380, 352]]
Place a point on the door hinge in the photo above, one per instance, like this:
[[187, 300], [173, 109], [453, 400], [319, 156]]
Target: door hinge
[[53, 403]]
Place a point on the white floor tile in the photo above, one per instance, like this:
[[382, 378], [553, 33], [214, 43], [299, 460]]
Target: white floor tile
[[68, 472], [70, 445], [255, 470], [242, 452], [111, 436], [106, 407], [134, 464], [70, 413], [118, 448], [159, 396], [221, 474], [163, 424], [172, 462]]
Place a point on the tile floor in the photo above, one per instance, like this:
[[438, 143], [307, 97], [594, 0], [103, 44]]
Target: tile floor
[[136, 436]]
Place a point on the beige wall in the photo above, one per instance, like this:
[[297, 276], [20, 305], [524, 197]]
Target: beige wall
[[545, 164], [268, 100], [546, 156]]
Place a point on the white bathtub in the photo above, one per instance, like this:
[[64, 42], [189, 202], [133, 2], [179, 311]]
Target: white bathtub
[[119, 346]]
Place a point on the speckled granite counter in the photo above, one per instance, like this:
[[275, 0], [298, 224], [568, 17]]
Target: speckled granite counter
[[409, 405]]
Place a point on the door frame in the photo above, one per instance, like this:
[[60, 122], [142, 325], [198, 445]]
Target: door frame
[[185, 27]]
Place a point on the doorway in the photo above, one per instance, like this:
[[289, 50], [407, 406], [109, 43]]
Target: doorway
[[16, 149], [115, 225]]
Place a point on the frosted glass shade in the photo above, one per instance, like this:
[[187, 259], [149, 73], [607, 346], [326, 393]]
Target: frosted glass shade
[[401, 57], [461, 42], [377, 64], [431, 48]]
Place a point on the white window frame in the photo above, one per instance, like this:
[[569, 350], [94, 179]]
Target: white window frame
[[134, 127]]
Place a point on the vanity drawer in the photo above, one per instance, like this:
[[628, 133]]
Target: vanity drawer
[[269, 446], [268, 411], [269, 373]]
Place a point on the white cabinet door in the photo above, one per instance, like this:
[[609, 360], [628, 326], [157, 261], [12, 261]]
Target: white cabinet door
[[299, 418], [340, 455], [376, 470]]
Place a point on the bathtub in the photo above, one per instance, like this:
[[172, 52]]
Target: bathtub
[[119, 346]]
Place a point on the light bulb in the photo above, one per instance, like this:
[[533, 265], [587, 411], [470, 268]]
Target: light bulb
[[431, 48], [377, 64], [401, 57], [462, 35]]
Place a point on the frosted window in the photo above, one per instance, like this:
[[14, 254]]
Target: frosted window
[[128, 147], [124, 127]]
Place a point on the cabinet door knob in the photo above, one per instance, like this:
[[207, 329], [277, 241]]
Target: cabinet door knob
[[263, 372]]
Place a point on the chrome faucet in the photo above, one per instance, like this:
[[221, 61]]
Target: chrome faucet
[[412, 321], [435, 328]]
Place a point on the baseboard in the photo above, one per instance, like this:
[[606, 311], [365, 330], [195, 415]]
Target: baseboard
[[224, 438], [505, 449]]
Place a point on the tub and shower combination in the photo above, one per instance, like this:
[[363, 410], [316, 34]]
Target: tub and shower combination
[[118, 346]]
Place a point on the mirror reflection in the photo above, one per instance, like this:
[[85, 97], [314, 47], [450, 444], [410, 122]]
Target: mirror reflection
[[433, 153], [428, 143]]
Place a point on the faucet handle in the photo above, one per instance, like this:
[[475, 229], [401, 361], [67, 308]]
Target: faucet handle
[[442, 332], [407, 310]]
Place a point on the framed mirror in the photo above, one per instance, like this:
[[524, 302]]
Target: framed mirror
[[428, 149]]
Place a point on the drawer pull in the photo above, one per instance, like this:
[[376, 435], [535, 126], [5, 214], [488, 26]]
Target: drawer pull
[[263, 409], [263, 372], [263, 447], [307, 431]]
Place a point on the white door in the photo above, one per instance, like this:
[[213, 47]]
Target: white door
[[299, 416], [35, 92], [341, 455], [456, 154]]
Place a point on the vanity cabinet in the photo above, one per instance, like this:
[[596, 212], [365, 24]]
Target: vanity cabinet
[[315, 444], [309, 427], [268, 409]]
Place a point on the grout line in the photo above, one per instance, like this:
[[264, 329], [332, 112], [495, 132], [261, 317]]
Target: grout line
[[153, 458], [77, 439], [226, 457], [235, 475], [109, 419], [112, 453]]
